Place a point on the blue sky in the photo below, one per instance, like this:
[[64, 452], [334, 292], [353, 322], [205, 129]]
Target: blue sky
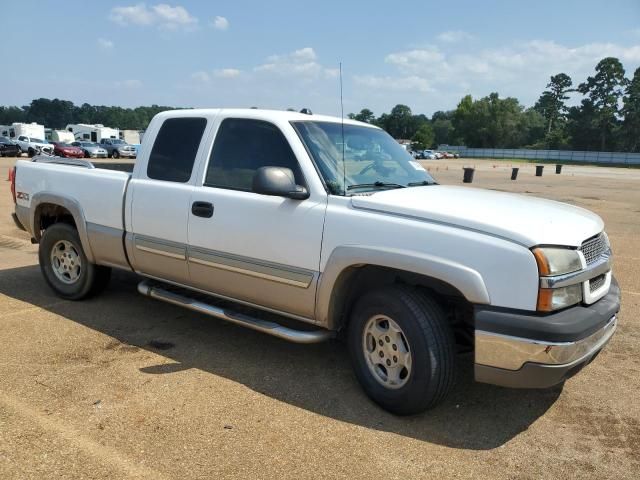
[[281, 54]]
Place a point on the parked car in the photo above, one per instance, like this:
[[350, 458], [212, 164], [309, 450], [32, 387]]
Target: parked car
[[117, 148], [31, 146], [428, 155], [439, 155], [303, 242], [8, 148], [91, 150], [67, 150]]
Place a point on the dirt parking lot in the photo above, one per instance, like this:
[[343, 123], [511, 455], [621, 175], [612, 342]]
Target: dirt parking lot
[[123, 386]]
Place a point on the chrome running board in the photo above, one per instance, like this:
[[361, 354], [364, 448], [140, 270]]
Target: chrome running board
[[296, 336]]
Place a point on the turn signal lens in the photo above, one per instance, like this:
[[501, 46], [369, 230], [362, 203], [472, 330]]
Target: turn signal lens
[[550, 299]]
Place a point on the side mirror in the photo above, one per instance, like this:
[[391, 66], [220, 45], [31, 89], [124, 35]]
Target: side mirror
[[278, 182]]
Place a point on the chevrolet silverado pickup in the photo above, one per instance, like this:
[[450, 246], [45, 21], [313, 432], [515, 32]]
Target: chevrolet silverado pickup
[[307, 227]]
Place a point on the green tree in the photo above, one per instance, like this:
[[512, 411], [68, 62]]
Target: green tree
[[631, 112], [400, 123], [424, 137], [493, 122], [551, 103], [604, 90], [442, 124], [365, 115], [582, 126]]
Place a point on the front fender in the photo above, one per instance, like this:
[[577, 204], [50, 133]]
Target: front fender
[[468, 281]]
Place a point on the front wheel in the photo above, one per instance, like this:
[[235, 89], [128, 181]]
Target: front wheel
[[402, 349], [65, 266], [115, 154]]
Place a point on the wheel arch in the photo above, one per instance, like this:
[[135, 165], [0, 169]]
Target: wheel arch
[[351, 270], [48, 208]]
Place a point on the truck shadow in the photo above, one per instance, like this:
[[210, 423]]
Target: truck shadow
[[317, 378]]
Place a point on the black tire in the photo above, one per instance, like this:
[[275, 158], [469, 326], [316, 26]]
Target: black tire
[[31, 152], [92, 278], [115, 154], [431, 344]]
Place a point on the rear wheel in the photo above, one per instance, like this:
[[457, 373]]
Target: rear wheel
[[402, 349], [65, 266]]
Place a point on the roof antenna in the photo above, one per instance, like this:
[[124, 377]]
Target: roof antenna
[[344, 174]]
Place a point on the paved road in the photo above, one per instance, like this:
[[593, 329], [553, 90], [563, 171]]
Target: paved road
[[123, 387]]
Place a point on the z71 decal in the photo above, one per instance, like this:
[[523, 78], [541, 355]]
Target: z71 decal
[[22, 196]]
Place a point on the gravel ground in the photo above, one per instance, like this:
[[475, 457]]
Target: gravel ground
[[122, 386]]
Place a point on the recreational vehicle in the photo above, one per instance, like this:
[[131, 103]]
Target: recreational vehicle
[[52, 135], [92, 133], [132, 137], [17, 129]]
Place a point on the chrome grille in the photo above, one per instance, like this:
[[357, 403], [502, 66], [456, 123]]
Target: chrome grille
[[596, 283], [593, 248]]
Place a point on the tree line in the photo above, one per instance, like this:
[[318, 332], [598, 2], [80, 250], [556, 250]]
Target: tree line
[[58, 114], [607, 118]]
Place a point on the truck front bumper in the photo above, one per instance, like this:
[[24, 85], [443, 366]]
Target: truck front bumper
[[520, 350]]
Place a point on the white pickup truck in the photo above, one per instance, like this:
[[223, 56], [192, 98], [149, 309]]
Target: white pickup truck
[[307, 226], [32, 146]]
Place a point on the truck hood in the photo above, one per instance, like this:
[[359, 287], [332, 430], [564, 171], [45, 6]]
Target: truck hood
[[527, 220]]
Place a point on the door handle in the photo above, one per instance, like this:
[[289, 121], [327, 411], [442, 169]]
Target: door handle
[[202, 209]]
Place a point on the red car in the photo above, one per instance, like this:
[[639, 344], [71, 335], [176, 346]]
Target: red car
[[65, 150]]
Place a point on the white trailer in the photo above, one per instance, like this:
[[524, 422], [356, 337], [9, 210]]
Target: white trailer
[[62, 136], [17, 129], [52, 135], [92, 133], [132, 137]]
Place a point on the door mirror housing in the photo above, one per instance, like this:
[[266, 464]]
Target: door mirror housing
[[278, 182]]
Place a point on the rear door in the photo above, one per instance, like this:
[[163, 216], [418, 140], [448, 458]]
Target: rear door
[[160, 198], [259, 249]]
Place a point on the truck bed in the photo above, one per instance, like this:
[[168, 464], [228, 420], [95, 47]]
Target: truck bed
[[99, 188]]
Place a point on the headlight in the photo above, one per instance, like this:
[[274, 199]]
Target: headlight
[[553, 261], [557, 261]]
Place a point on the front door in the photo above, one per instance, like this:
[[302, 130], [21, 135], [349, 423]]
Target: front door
[[260, 249]]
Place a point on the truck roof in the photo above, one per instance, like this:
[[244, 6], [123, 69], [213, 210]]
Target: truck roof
[[263, 114]]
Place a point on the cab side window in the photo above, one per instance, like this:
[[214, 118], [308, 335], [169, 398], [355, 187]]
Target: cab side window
[[244, 145], [175, 148]]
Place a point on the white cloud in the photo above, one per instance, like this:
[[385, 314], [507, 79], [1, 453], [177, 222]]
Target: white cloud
[[454, 36], [105, 44], [171, 17], [227, 73], [129, 84], [201, 77], [220, 23], [162, 15], [432, 77], [393, 84], [409, 58], [302, 62]]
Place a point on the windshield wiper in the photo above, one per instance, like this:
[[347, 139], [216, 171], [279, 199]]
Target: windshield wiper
[[376, 184], [423, 182]]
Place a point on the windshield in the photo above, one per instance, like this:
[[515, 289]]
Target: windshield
[[37, 140], [117, 142], [373, 160]]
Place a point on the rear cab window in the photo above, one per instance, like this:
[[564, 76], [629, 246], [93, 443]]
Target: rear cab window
[[175, 148]]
